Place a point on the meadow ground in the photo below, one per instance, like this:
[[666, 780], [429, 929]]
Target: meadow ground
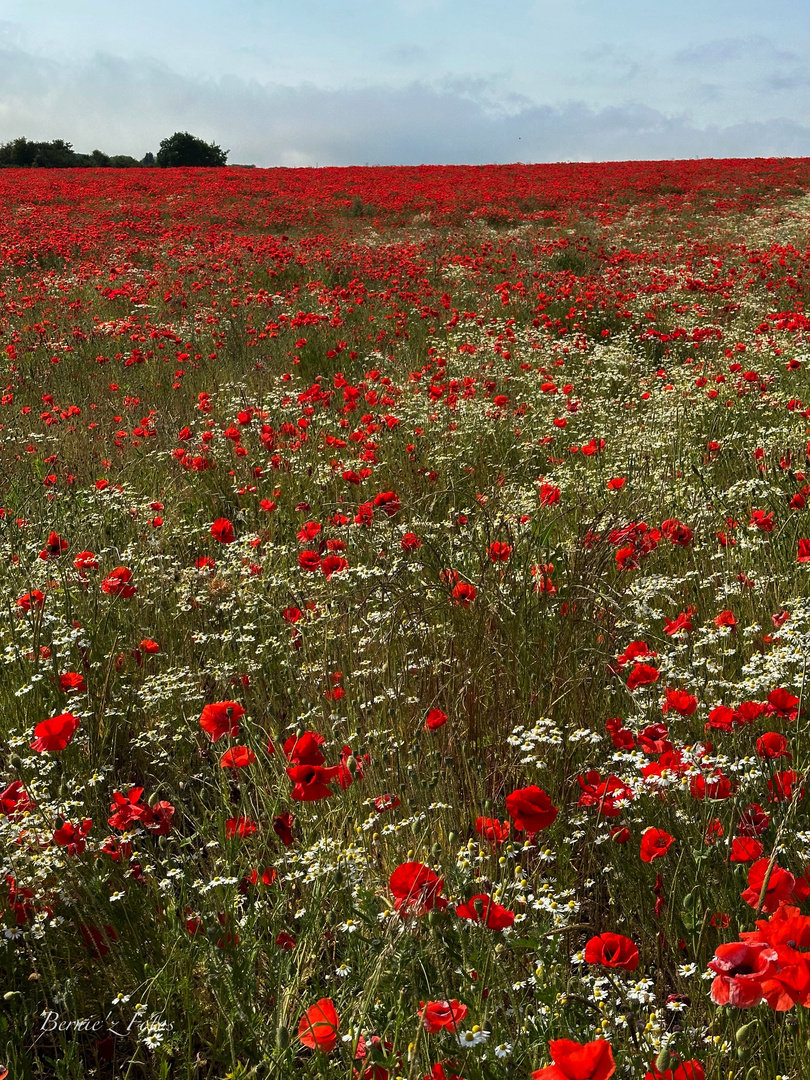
[[406, 620]]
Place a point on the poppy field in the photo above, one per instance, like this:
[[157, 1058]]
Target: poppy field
[[404, 577]]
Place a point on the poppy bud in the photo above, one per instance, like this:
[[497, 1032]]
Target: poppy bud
[[452, 837], [153, 798], [688, 903], [742, 1035], [338, 877], [15, 761], [436, 850], [488, 805], [351, 765], [664, 1059], [60, 823], [282, 1037]]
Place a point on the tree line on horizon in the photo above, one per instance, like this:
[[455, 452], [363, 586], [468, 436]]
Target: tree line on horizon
[[181, 150]]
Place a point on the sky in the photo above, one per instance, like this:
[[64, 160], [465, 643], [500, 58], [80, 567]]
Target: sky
[[407, 82]]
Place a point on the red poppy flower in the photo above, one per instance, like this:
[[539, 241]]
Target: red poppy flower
[[740, 967], [482, 909], [783, 703], [410, 542], [603, 793], [655, 843], [725, 618], [117, 583], [149, 646], [745, 849], [492, 829], [549, 494], [416, 889], [306, 749], [772, 745], [72, 680], [85, 560], [71, 837], [578, 1061], [499, 552], [463, 594], [436, 1015], [616, 484], [221, 718], [531, 809], [54, 735], [35, 598], [310, 782], [282, 827], [687, 1070], [763, 520], [715, 786], [308, 531], [680, 701], [804, 551], [676, 533], [333, 564], [388, 502], [385, 802], [54, 546], [318, 1027], [14, 800], [238, 757], [642, 675], [753, 821], [682, 624], [613, 951], [240, 826], [435, 719], [780, 886], [653, 739], [782, 786], [309, 560], [222, 530], [285, 942]]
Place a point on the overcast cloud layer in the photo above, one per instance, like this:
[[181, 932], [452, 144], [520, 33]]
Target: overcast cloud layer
[[412, 81]]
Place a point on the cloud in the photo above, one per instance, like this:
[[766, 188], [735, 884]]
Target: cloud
[[734, 49], [124, 106]]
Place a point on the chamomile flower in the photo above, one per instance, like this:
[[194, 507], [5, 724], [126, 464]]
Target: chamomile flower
[[474, 1037]]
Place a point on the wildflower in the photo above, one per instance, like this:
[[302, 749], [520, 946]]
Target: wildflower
[[779, 886], [655, 843], [436, 1015], [318, 1027], [531, 809], [311, 782], [117, 583], [54, 546], [463, 594], [221, 718], [223, 531], [238, 757], [474, 1037], [435, 719], [54, 735], [416, 889], [612, 951], [492, 829], [578, 1061], [482, 909]]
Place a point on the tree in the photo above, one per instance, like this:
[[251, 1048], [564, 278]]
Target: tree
[[185, 150]]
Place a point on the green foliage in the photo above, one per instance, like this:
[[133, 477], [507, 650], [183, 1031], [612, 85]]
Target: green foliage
[[183, 150]]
